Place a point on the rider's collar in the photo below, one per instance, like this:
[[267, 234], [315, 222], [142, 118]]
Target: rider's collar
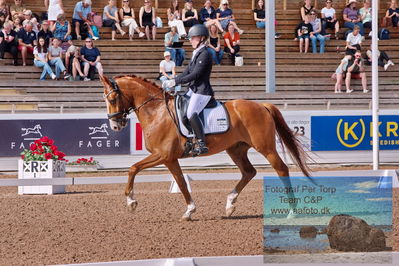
[[196, 51]]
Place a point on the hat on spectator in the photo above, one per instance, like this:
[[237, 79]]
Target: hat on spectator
[[350, 2], [165, 54], [27, 12]]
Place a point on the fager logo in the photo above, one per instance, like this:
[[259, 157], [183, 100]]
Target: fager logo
[[29, 131], [99, 138]]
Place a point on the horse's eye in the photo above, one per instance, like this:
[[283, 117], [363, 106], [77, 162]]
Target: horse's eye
[[113, 101]]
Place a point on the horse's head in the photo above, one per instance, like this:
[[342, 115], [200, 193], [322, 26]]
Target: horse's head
[[117, 106]]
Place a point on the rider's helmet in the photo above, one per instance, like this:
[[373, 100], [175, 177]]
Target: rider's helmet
[[199, 30]]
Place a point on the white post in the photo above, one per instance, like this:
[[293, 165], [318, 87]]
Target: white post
[[374, 80], [270, 51]]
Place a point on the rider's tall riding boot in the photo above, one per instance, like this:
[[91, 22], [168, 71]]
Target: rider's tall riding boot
[[196, 125]]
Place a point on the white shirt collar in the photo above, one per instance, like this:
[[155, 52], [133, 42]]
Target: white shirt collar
[[196, 51]]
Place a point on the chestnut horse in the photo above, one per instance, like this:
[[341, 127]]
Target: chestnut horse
[[251, 125]]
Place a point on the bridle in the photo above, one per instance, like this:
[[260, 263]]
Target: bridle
[[124, 113]]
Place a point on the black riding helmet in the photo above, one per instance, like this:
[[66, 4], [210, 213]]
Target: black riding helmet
[[199, 30]]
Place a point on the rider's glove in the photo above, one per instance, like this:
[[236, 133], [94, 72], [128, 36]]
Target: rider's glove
[[168, 84]]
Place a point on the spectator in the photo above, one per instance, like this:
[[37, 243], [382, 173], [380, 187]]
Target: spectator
[[55, 59], [304, 33], [8, 42], [214, 45], [352, 17], [365, 14], [70, 54], [226, 17], [5, 9], [340, 73], [54, 8], [166, 68], [306, 8], [110, 19], [147, 18], [2, 19], [329, 19], [81, 17], [393, 14], [17, 24], [208, 16], [356, 71], [232, 43], [17, 10], [178, 54], [91, 57], [174, 18], [30, 18], [189, 14], [382, 58], [353, 41], [62, 29], [126, 13], [41, 60], [316, 33], [45, 33], [76, 64], [26, 41], [259, 15]]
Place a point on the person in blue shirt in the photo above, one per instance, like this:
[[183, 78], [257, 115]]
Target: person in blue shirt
[[177, 54], [226, 17], [26, 41], [81, 15], [91, 56], [208, 16]]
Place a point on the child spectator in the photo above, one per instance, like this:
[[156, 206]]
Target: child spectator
[[147, 18], [76, 62], [352, 17], [306, 8], [126, 13], [166, 68], [55, 59], [91, 57], [41, 60], [304, 33], [316, 33], [382, 58], [214, 45], [174, 18], [340, 73], [5, 9], [232, 43], [81, 17], [189, 14], [8, 42], [54, 8], [45, 33], [26, 41], [356, 71], [226, 17], [208, 16], [329, 19], [17, 10], [365, 14], [110, 19], [353, 41], [392, 14], [178, 54], [62, 29]]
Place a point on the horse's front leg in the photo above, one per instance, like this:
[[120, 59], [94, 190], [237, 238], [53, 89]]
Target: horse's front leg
[[150, 161]]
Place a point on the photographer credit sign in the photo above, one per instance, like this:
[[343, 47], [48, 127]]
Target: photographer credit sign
[[72, 136]]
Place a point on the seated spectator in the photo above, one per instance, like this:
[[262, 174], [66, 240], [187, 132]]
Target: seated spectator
[[5, 9], [178, 54], [304, 34], [208, 16], [55, 59], [45, 33], [174, 18], [340, 73], [382, 58], [365, 14], [91, 57], [259, 15], [2, 19], [189, 14], [17, 24], [62, 29], [147, 18], [26, 41], [214, 45], [356, 71], [30, 18], [126, 14], [17, 10], [8, 42], [353, 41], [226, 17], [110, 19], [232, 43], [81, 17], [352, 17], [54, 9], [306, 8], [41, 60], [167, 68], [76, 62], [316, 33], [329, 19], [392, 14]]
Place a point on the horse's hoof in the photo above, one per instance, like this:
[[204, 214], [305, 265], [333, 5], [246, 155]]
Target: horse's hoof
[[230, 211], [131, 207], [185, 218]]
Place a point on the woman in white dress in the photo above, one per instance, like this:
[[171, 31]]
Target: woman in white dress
[[54, 8], [174, 18]]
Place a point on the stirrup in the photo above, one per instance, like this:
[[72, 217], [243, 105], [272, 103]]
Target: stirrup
[[201, 148]]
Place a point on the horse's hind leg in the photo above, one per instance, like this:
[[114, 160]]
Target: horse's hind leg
[[238, 154], [175, 169]]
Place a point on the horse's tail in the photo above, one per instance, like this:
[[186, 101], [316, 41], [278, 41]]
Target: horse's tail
[[290, 141]]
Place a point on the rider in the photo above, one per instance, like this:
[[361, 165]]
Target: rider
[[197, 74]]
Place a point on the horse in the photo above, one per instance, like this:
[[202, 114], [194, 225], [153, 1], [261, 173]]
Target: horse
[[251, 125]]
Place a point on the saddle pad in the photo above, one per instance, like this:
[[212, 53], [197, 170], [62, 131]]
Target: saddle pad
[[216, 120]]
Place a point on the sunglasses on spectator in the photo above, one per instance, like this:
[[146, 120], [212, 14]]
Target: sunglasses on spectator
[[88, 41], [225, 4]]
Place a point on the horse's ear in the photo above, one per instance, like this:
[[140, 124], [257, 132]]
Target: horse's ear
[[106, 82]]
